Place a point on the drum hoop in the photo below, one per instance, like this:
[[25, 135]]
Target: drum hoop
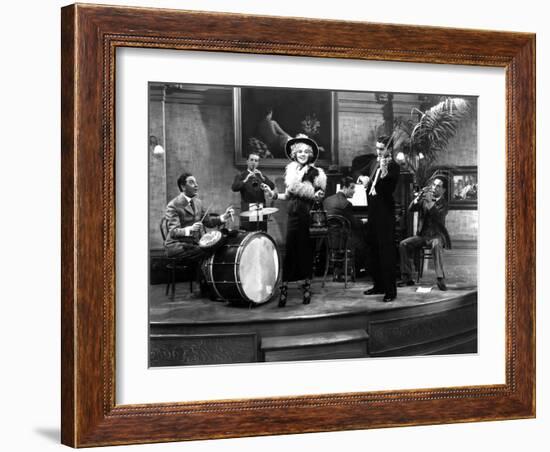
[[210, 265], [247, 239], [237, 264]]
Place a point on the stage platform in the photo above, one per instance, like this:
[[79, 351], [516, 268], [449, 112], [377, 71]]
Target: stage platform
[[339, 323]]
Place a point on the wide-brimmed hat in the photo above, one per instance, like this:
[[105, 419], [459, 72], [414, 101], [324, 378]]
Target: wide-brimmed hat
[[301, 138]]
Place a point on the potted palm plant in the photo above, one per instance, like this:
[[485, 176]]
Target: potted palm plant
[[420, 142]]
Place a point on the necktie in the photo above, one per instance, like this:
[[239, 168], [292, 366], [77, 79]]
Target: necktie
[[192, 203]]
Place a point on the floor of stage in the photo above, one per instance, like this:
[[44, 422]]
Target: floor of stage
[[331, 300], [186, 307]]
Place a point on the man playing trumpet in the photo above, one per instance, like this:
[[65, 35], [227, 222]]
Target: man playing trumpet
[[432, 209]]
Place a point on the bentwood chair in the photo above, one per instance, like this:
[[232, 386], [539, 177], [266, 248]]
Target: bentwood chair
[[424, 254], [339, 254], [175, 264]]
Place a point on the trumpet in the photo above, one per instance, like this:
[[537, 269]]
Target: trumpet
[[428, 190]]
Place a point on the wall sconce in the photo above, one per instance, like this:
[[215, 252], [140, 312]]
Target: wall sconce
[[157, 149]]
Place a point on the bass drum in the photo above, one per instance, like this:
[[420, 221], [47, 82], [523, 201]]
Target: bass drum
[[245, 269]]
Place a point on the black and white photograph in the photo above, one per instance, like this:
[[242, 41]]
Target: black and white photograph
[[292, 224]]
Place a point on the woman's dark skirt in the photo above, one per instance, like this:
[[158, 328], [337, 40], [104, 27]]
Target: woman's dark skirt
[[298, 261]]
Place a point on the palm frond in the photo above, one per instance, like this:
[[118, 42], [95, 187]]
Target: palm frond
[[437, 126], [427, 134]]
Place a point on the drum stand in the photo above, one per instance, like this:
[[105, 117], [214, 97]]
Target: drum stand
[[258, 208]]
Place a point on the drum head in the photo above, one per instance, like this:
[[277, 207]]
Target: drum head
[[210, 239], [259, 268]]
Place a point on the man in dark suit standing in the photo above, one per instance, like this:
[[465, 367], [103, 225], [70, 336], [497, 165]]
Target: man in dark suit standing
[[186, 218], [249, 183], [380, 184], [431, 205]]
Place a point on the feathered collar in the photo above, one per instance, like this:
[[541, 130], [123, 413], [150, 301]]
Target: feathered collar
[[295, 183]]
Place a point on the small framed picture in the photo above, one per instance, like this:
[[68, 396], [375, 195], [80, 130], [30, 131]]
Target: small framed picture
[[464, 188]]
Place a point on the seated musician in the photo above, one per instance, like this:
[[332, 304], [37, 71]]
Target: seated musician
[[339, 204], [432, 207], [186, 220], [249, 184]]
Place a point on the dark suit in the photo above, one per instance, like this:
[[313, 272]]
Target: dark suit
[[381, 258], [338, 204], [179, 215], [251, 192], [431, 232]]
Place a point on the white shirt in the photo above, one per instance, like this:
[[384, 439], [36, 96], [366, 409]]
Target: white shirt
[[187, 229]]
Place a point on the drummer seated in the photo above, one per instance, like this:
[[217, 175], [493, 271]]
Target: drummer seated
[[186, 219]]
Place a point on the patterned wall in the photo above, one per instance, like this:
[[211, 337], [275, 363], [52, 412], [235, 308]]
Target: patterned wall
[[157, 176], [462, 224], [199, 139], [462, 148]]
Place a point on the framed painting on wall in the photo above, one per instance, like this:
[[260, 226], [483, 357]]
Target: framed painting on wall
[[463, 192], [266, 118]]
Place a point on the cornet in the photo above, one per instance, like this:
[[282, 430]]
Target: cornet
[[426, 190]]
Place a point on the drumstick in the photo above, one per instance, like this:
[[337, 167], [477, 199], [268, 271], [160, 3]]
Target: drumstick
[[230, 213], [205, 213]]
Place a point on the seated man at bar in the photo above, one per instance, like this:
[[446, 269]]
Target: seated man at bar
[[186, 219], [339, 204], [432, 209], [249, 183]]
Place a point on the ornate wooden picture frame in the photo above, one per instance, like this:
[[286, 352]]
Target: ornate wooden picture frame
[[90, 38]]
